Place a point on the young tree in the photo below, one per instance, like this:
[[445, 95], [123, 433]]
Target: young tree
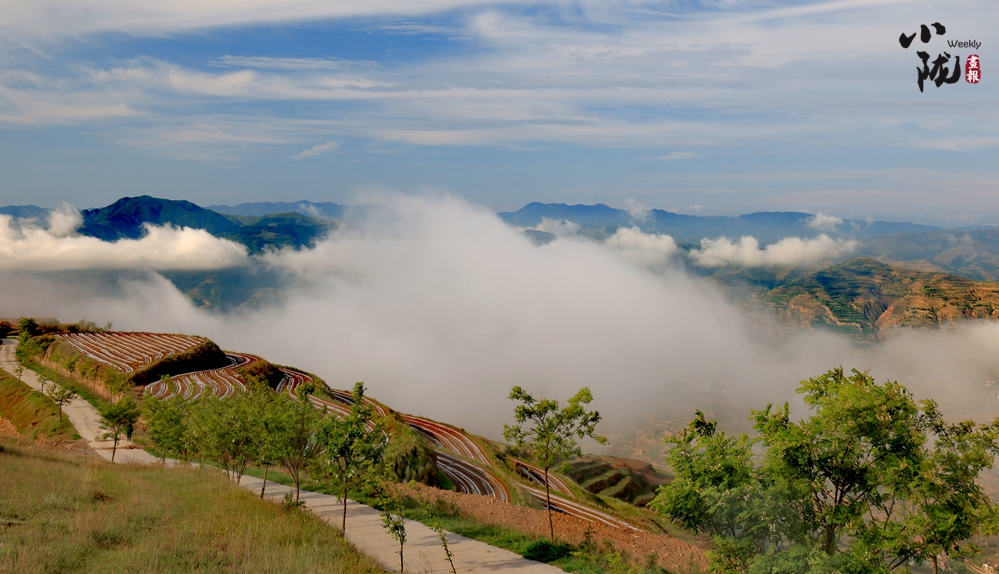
[[350, 446], [296, 426], [18, 370], [395, 524], [117, 383], [225, 432], [43, 381], [117, 419], [438, 527], [550, 433], [266, 417], [61, 396], [167, 423]]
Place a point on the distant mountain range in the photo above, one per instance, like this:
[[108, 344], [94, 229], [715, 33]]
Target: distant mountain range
[[915, 274], [766, 226]]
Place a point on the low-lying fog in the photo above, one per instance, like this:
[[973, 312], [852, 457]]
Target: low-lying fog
[[442, 308]]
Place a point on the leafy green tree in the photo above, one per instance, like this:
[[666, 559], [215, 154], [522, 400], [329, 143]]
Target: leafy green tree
[[944, 506], [18, 370], [27, 327], [167, 423], [117, 420], [862, 445], [61, 396], [868, 483], [297, 426], [118, 383], [266, 417], [549, 433], [716, 489], [225, 432], [350, 446]]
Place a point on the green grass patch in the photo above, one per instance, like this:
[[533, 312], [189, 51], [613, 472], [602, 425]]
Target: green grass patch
[[65, 513], [80, 389], [34, 414]]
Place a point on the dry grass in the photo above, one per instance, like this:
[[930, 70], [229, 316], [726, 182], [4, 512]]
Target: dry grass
[[65, 513]]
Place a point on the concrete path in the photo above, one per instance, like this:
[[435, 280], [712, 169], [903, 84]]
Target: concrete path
[[80, 413], [423, 551]]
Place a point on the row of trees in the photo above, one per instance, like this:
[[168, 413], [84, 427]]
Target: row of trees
[[872, 481], [265, 428]]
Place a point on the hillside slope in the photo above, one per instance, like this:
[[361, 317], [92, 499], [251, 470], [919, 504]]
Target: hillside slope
[[865, 297]]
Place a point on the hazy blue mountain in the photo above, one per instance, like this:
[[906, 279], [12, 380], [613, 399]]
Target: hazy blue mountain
[[125, 217], [24, 211], [326, 210], [766, 226], [278, 231]]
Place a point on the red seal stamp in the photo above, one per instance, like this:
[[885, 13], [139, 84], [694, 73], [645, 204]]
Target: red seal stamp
[[973, 69]]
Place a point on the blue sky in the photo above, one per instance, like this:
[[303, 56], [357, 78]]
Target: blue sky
[[718, 107]]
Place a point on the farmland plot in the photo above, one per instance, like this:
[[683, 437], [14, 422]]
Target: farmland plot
[[127, 352]]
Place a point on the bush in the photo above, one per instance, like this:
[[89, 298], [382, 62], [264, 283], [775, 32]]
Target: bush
[[205, 356], [546, 551]]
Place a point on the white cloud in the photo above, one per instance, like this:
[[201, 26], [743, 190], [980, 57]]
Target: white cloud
[[637, 211], [676, 155], [790, 251], [317, 149], [558, 227], [31, 248], [443, 308], [64, 220], [650, 249], [824, 222]]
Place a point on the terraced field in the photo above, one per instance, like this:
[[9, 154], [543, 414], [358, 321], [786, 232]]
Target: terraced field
[[458, 456], [219, 382], [127, 352]]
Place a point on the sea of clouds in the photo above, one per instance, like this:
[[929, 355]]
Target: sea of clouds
[[441, 308]]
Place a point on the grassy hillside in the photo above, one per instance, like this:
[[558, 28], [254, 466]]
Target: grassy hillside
[[65, 513], [863, 297], [34, 414]]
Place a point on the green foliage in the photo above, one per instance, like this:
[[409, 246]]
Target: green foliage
[[29, 347], [871, 481], [296, 426], [350, 447], [202, 357], [28, 327], [262, 373], [395, 524], [409, 457], [117, 420], [549, 433], [61, 396], [167, 422]]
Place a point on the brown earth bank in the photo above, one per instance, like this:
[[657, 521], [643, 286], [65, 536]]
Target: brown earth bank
[[671, 553]]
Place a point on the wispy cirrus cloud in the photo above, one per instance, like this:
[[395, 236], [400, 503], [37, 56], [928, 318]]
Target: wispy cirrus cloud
[[317, 149]]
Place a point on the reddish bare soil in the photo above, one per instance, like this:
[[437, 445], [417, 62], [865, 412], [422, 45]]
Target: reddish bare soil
[[7, 427], [671, 553]]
